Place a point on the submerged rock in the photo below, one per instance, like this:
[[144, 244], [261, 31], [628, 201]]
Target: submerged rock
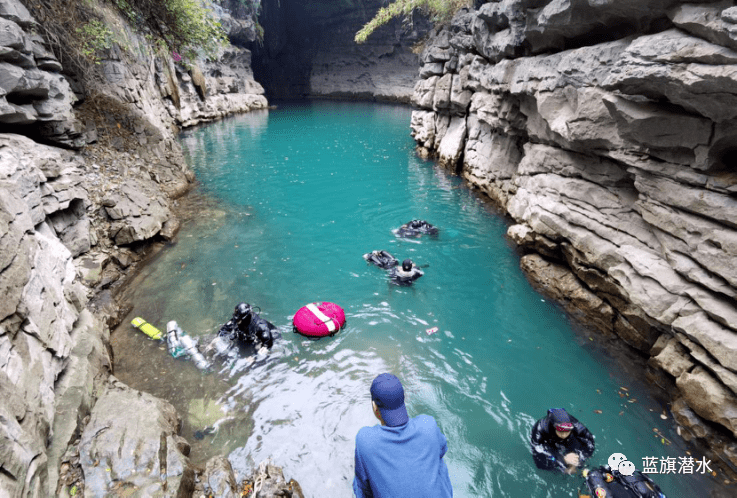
[[132, 444]]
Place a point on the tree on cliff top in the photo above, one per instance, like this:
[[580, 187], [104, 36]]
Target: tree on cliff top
[[439, 11]]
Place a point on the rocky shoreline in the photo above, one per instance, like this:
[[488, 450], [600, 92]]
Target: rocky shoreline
[[605, 131], [82, 205], [614, 159]]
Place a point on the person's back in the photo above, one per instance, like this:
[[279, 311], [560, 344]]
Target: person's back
[[405, 461], [402, 457]]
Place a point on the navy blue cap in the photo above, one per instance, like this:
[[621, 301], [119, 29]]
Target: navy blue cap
[[388, 394]]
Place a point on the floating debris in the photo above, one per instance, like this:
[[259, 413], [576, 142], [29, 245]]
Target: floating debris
[[431, 330], [664, 440]]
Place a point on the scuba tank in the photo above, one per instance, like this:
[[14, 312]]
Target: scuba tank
[[181, 344], [146, 328], [605, 483]]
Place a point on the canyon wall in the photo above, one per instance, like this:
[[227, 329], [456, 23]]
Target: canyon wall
[[308, 51], [88, 177], [608, 131]]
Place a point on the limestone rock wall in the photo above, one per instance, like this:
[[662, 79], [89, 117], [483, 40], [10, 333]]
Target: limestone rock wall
[[308, 51], [382, 68], [608, 131], [87, 182]]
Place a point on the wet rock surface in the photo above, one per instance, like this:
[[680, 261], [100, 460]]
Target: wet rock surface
[[267, 481], [131, 442], [78, 213], [613, 151]]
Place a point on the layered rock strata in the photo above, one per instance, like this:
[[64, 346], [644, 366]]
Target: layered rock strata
[[76, 212], [608, 132]]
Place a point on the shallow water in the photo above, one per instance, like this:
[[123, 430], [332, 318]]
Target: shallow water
[[289, 201]]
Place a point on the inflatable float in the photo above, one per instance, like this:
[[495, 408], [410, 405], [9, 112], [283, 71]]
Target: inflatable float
[[319, 319]]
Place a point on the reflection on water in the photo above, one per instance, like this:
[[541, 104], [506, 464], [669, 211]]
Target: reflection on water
[[289, 201]]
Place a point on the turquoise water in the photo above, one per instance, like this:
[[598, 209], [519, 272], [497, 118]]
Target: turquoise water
[[289, 200]]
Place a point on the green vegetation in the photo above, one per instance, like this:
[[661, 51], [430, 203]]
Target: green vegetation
[[79, 32], [94, 36], [187, 27], [439, 11]]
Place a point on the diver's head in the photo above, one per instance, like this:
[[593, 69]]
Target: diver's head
[[407, 265], [242, 311], [561, 422]]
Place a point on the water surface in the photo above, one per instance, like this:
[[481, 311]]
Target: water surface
[[289, 200]]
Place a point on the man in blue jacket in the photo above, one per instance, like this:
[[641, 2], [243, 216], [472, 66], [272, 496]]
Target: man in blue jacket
[[402, 457]]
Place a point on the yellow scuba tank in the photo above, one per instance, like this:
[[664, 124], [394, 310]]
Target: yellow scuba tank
[[146, 328]]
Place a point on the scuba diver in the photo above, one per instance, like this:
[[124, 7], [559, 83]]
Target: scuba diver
[[415, 228], [607, 483], [406, 274], [245, 327], [382, 259], [560, 442]]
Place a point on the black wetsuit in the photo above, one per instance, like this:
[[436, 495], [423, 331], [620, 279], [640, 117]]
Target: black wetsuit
[[399, 276], [251, 329], [548, 450], [382, 259], [416, 228], [638, 485]]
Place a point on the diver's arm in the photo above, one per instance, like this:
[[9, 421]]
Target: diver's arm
[[544, 456], [587, 442]]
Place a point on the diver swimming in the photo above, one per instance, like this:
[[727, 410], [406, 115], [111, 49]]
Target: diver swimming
[[405, 274], [415, 228], [381, 258]]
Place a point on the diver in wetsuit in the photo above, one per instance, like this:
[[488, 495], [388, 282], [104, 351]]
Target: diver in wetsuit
[[560, 442], [382, 259], [248, 327], [416, 228], [406, 274], [604, 482]]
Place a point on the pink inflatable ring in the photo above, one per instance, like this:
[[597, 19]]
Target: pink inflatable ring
[[319, 319]]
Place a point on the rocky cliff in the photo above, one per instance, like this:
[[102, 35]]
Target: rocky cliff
[[608, 131], [308, 51], [88, 177]]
